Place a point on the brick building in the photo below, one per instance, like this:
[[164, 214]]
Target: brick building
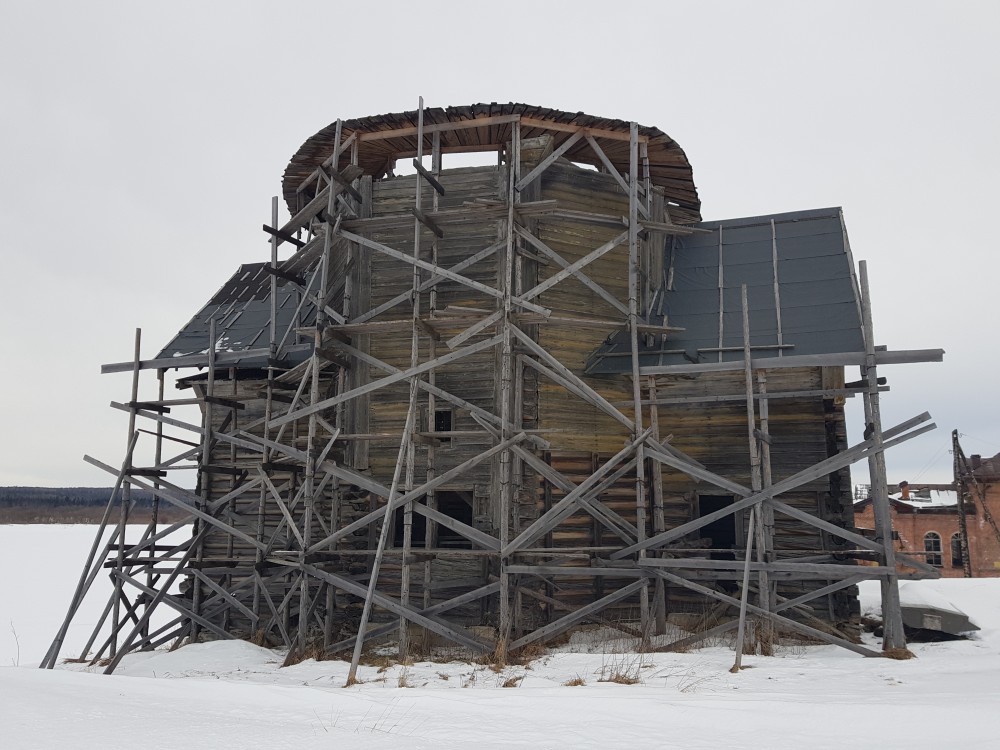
[[926, 520]]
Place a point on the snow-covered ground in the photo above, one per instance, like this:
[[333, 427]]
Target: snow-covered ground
[[233, 694]]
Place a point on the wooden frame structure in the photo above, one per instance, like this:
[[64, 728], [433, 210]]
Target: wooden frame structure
[[304, 524]]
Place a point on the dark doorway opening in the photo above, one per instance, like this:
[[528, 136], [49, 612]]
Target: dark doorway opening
[[457, 505], [720, 533]]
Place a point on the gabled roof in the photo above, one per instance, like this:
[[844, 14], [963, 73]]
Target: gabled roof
[[242, 313], [801, 293]]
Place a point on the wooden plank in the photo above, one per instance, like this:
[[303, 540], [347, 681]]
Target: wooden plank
[[827, 466], [437, 270], [284, 236], [431, 180], [568, 621], [383, 382], [844, 359], [452, 632], [577, 273]]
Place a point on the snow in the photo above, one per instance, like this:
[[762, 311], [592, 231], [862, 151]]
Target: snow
[[235, 694]]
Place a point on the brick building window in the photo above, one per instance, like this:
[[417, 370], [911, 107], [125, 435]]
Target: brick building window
[[932, 546], [957, 561]]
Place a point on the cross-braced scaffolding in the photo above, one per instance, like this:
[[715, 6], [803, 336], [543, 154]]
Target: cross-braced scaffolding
[[387, 464]]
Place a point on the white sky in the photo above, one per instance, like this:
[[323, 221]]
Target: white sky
[[140, 144]]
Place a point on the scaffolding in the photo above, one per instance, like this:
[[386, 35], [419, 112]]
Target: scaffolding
[[293, 530]]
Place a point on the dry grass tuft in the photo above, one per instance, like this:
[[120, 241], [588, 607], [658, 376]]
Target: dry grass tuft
[[575, 682], [527, 654], [512, 682], [621, 678]]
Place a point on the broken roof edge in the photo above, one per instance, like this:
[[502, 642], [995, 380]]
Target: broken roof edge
[[669, 165]]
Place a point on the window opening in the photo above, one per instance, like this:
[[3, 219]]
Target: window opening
[[720, 534], [957, 561], [932, 546], [442, 423], [457, 505]]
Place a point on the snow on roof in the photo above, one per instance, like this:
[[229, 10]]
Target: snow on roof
[[927, 498]]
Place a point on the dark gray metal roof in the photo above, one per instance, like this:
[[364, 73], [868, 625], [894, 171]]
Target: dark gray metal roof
[[242, 313], [798, 264]]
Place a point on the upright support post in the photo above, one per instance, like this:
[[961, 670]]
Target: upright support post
[[204, 474], [633, 324], [756, 484], [126, 499], [962, 490], [892, 616], [506, 404], [659, 519], [431, 498], [404, 585]]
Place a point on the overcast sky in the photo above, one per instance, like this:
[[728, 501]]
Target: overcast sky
[[141, 143]]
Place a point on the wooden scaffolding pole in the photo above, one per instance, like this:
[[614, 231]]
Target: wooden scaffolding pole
[[892, 617]]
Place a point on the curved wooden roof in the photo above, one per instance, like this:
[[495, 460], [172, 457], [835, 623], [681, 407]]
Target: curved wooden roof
[[378, 145]]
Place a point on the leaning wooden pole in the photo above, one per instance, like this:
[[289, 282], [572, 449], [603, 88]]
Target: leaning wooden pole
[[126, 496], [408, 478], [754, 440], [892, 616]]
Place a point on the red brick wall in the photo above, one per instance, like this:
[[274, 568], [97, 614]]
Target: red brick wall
[[911, 526]]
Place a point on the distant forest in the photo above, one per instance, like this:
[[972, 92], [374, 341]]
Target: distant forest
[[73, 505]]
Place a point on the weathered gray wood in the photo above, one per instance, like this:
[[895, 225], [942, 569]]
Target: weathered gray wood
[[569, 376], [388, 380], [791, 566], [827, 466], [568, 621], [89, 572], [429, 284], [845, 359], [745, 587], [892, 616], [452, 632], [577, 273], [471, 596], [554, 515], [549, 160], [572, 268], [438, 271], [416, 493], [792, 624]]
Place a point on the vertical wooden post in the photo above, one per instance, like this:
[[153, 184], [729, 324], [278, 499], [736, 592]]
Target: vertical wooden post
[[126, 499], [633, 324], [430, 526], [892, 616], [659, 520], [204, 474], [404, 585], [506, 386]]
